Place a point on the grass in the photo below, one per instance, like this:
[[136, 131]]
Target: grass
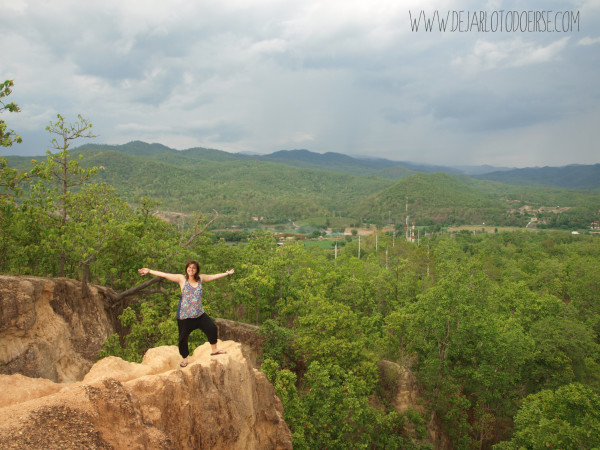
[[331, 222], [322, 243], [486, 229]]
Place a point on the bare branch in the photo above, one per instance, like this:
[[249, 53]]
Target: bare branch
[[154, 291], [136, 289], [181, 227], [198, 233], [117, 298]]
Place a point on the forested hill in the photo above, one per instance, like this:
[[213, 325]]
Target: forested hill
[[436, 198], [572, 177], [163, 153], [334, 162], [338, 162], [244, 186]]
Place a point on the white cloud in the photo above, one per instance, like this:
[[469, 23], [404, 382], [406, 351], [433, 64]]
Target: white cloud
[[517, 52], [17, 6], [588, 41]]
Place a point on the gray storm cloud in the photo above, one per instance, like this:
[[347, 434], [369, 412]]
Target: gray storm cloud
[[336, 76]]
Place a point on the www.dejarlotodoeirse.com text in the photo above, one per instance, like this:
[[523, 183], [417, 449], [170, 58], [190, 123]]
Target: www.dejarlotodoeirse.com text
[[495, 21]]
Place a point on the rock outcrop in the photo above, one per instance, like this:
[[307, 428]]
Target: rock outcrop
[[400, 388], [244, 333], [48, 329], [216, 402]]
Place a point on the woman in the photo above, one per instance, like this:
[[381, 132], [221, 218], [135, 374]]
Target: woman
[[190, 315]]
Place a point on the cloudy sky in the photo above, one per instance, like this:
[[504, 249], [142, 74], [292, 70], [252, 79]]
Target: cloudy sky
[[506, 83]]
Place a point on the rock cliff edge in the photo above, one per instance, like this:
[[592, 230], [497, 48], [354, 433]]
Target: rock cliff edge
[[216, 402], [49, 330]]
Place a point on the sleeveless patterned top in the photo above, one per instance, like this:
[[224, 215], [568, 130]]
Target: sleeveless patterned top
[[190, 304]]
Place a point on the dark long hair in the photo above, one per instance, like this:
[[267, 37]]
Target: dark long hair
[[197, 275]]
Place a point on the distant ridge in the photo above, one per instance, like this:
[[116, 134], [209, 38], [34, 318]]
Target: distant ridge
[[571, 176], [162, 152], [329, 160], [480, 170], [137, 148], [301, 184]]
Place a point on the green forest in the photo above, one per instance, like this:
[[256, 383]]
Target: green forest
[[500, 329], [277, 190]]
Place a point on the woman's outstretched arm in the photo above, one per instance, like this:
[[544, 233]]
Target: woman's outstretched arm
[[175, 277], [206, 278]]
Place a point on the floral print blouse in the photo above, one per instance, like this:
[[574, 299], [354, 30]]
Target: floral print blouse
[[190, 304]]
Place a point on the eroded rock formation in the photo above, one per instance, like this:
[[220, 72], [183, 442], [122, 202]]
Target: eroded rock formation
[[245, 334], [48, 329], [400, 388], [216, 402], [53, 396]]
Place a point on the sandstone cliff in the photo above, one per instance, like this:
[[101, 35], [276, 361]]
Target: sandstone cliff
[[398, 385], [47, 329], [217, 402], [245, 334]]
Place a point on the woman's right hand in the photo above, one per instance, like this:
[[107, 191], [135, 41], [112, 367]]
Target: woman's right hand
[[143, 271]]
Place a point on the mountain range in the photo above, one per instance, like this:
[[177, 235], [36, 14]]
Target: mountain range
[[303, 184], [574, 176]]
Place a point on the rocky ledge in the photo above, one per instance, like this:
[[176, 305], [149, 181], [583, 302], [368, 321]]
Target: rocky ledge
[[49, 330], [216, 402]]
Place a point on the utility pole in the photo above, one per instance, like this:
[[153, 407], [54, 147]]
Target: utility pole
[[386, 258], [407, 235]]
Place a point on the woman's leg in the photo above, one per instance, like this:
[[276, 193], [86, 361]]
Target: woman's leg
[[185, 327], [210, 329]]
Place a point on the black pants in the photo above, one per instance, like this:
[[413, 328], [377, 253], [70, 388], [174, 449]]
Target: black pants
[[186, 326]]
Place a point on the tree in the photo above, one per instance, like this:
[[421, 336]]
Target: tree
[[278, 344], [565, 351], [284, 382], [7, 137], [333, 332], [63, 173], [97, 217], [469, 357], [258, 288], [335, 407], [9, 178], [566, 418]]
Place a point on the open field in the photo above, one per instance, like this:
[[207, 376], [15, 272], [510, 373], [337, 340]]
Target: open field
[[486, 229]]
